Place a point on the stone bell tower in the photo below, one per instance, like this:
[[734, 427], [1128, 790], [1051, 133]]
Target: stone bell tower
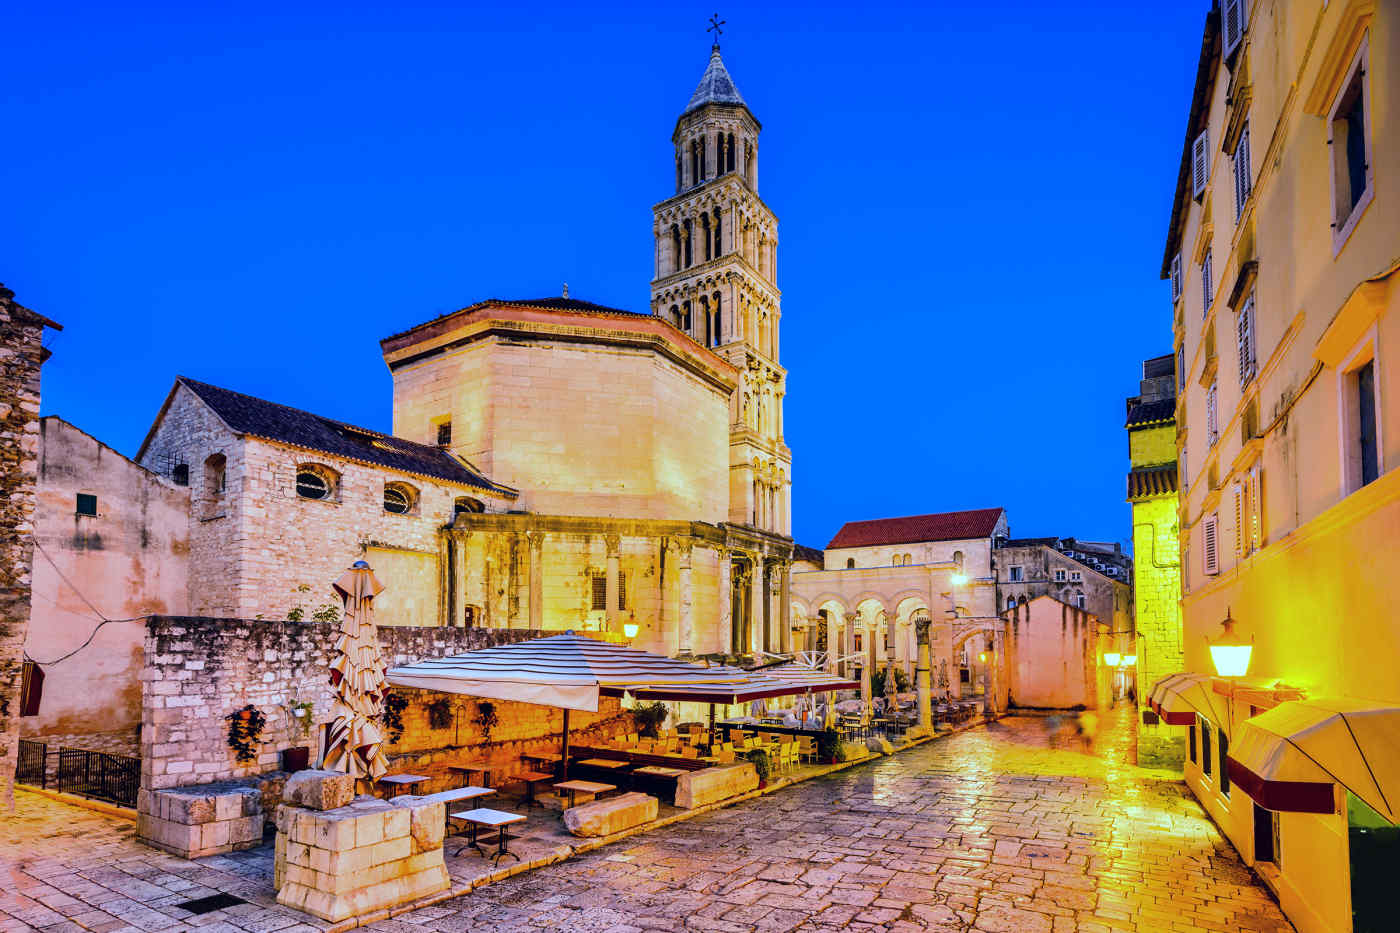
[[716, 257]]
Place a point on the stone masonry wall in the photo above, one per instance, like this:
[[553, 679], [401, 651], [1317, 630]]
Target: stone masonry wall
[[21, 355], [1157, 580], [199, 670]]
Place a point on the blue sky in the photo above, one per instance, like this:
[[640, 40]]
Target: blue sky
[[972, 212]]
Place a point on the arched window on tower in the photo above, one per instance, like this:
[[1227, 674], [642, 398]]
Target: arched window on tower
[[704, 151], [719, 244], [685, 317], [705, 232], [705, 316], [718, 329], [689, 238], [676, 315], [729, 154], [675, 248], [679, 182]]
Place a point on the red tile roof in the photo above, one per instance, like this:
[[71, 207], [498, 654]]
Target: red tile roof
[[942, 526]]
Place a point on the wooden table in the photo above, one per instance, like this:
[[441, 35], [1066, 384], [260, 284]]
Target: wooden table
[[659, 771], [491, 819], [609, 764], [543, 759], [469, 768], [530, 779], [574, 788], [401, 781]]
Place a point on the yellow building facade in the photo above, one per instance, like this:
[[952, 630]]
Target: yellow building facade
[[1284, 257]]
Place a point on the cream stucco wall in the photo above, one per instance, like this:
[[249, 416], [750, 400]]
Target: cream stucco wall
[[1052, 655], [129, 560]]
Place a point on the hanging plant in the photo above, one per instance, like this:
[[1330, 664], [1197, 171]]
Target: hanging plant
[[394, 705], [486, 719], [440, 713], [302, 711], [245, 728]]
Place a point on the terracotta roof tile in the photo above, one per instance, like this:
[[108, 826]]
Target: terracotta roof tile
[[1153, 481], [941, 526]]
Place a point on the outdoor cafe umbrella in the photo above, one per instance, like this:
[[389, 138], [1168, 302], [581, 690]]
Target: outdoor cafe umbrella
[[355, 744], [891, 689]]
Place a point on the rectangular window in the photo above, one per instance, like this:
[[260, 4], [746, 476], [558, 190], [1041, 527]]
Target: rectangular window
[[1245, 348], [1352, 175], [1206, 760], [1212, 415], [600, 592], [1210, 544], [1244, 183], [1176, 277], [86, 504], [1224, 742], [1059, 576], [1075, 576], [1080, 601], [1017, 575], [1207, 291], [444, 434], [1366, 422]]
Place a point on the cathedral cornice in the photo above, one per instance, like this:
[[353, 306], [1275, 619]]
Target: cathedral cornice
[[717, 266], [731, 180]]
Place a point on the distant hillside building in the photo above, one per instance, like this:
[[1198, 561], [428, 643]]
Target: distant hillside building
[[1093, 576]]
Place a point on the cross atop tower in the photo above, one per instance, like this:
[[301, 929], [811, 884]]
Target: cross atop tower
[[715, 27]]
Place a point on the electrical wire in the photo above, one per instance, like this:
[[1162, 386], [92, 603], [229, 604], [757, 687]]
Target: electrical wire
[[97, 612]]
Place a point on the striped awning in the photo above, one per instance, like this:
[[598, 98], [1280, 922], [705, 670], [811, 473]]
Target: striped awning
[[565, 670], [1179, 698], [780, 681], [1152, 481]]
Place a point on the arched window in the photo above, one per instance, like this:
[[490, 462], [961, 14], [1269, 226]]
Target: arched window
[[1079, 601], [316, 482], [676, 256], [685, 317], [695, 162], [215, 476], [678, 171], [1011, 602], [850, 563], [958, 560], [719, 244], [676, 315], [689, 239], [705, 232], [717, 330], [705, 316], [729, 154], [400, 498], [466, 504]]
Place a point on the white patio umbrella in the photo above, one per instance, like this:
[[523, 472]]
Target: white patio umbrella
[[355, 743]]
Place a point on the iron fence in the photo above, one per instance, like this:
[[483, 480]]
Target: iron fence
[[33, 764], [113, 778]]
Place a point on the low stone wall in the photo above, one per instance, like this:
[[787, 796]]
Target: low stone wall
[[206, 819], [711, 785], [200, 670], [605, 817]]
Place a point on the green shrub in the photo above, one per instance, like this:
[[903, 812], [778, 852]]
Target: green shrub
[[829, 747], [649, 717], [759, 757]]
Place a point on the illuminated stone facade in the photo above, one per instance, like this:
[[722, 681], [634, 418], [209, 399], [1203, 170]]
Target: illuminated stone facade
[[1152, 491]]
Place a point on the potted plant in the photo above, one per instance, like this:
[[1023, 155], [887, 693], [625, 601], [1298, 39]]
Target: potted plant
[[830, 751], [759, 758], [649, 717]]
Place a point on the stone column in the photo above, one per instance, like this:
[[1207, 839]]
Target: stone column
[[872, 658], [726, 603], [833, 649], [687, 607], [461, 549], [536, 580], [785, 608], [610, 612], [923, 675], [757, 598]]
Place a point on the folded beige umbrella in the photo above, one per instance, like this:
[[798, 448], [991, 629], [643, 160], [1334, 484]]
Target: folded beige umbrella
[[355, 744]]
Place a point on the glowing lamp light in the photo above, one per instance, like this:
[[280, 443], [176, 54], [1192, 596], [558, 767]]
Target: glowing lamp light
[[1130, 660], [982, 657], [1229, 652], [959, 579], [630, 629], [1111, 658]]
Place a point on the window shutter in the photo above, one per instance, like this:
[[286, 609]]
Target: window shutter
[[1234, 19], [31, 692], [1210, 545], [1200, 164], [1206, 289], [1176, 277], [1256, 509], [1212, 414], [1239, 521], [1244, 341], [1243, 181]]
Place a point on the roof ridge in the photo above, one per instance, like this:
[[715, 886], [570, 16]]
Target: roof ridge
[[303, 411]]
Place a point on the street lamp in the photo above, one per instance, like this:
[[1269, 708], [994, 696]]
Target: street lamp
[[630, 627], [1111, 658], [1130, 660], [959, 579], [1228, 651]]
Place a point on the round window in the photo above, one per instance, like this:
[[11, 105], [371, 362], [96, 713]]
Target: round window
[[396, 500], [312, 485]]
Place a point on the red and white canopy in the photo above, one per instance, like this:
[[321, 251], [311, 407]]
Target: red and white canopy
[[1178, 698], [567, 670]]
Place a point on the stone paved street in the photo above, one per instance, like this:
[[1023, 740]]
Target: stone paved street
[[1002, 828]]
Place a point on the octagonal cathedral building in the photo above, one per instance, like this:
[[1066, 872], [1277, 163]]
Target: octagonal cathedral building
[[646, 449]]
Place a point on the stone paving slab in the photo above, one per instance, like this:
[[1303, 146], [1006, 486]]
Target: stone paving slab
[[1001, 828]]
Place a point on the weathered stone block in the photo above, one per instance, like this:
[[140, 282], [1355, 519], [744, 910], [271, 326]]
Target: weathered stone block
[[604, 817], [427, 822], [391, 850], [319, 790], [710, 785], [878, 743]]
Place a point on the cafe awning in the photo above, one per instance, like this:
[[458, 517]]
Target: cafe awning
[[780, 681], [1289, 757], [1179, 698], [566, 670]]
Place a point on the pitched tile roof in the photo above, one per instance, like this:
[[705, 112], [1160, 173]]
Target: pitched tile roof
[[942, 526], [260, 418], [811, 554], [565, 304], [716, 87], [1153, 481], [1149, 413]]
